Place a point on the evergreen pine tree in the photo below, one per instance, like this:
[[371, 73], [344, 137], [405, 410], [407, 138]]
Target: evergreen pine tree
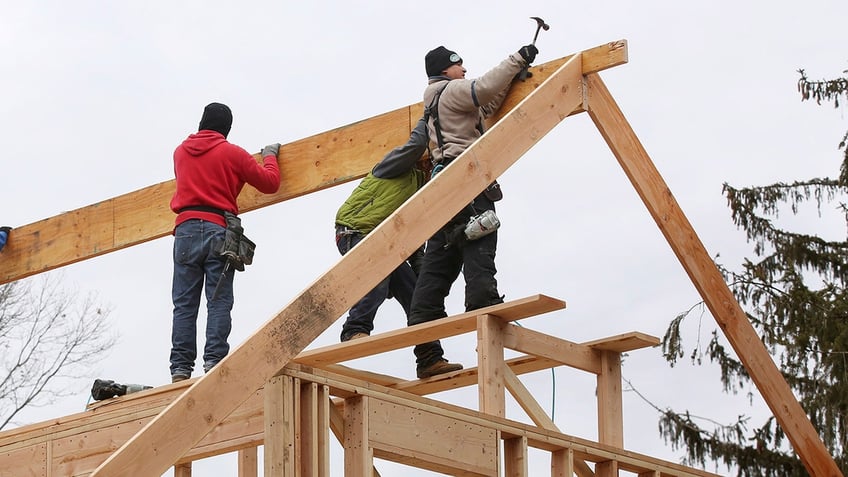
[[794, 293]]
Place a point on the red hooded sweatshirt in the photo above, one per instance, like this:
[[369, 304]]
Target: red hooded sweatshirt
[[211, 172]]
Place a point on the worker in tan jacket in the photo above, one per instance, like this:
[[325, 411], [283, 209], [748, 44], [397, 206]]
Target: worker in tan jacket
[[456, 107]]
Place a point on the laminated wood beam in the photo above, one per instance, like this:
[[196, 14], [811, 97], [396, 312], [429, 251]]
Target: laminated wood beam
[[307, 165], [262, 355], [692, 254]]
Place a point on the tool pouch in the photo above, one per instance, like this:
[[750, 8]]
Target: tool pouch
[[493, 192], [237, 248]]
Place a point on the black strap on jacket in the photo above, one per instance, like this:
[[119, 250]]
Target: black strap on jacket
[[432, 111], [202, 208]]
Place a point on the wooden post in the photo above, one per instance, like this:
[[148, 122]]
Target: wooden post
[[515, 457], [309, 446], [279, 427], [562, 463], [606, 469], [358, 455], [248, 463], [610, 414], [323, 423], [490, 358], [182, 470]]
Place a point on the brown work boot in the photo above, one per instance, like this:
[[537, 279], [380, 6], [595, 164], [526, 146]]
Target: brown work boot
[[356, 336], [178, 377], [441, 366]]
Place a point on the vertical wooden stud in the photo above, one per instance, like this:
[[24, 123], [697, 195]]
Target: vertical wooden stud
[[490, 359], [358, 455], [610, 415]]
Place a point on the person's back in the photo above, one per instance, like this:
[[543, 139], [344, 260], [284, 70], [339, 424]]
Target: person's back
[[210, 173]]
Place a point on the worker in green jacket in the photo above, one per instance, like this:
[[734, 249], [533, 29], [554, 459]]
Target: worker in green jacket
[[389, 184]]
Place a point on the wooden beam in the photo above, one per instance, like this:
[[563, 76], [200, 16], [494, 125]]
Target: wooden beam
[[269, 349], [307, 165], [623, 343], [437, 329], [525, 399], [563, 351], [707, 279]]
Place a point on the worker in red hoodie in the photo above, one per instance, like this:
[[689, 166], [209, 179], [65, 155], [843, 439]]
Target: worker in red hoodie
[[210, 173]]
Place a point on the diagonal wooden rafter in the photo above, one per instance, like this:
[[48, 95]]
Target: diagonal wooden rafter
[[209, 400], [308, 165], [707, 279]]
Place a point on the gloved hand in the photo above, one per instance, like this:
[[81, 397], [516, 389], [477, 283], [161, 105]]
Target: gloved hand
[[271, 150], [4, 235], [522, 75], [529, 53]]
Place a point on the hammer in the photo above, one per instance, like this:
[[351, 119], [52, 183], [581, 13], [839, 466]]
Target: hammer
[[540, 25]]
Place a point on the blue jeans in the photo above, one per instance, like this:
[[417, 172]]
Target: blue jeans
[[196, 260], [399, 284]]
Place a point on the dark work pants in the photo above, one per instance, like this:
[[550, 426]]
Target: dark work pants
[[441, 267]]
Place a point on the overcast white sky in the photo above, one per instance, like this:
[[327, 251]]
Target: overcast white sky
[[98, 94]]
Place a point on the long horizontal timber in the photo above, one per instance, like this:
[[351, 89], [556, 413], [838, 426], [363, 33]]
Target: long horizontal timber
[[401, 338], [215, 395], [308, 165]]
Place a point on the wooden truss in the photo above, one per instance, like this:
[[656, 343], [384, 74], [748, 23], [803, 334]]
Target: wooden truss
[[269, 379]]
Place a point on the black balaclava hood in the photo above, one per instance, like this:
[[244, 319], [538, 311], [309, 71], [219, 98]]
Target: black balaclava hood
[[217, 117]]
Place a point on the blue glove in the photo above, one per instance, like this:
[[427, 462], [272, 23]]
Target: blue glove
[[4, 235]]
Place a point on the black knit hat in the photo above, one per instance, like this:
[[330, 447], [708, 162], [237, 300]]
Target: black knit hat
[[216, 117], [440, 59]]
